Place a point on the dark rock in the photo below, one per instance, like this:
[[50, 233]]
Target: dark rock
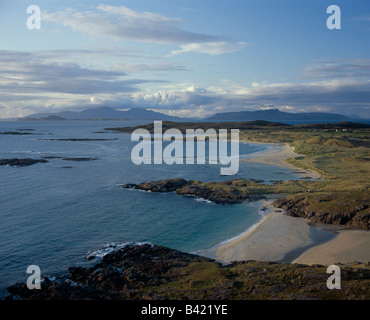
[[168, 185], [79, 159], [338, 209], [218, 196], [80, 139], [51, 157], [119, 275], [15, 133], [156, 272], [206, 191], [20, 162]]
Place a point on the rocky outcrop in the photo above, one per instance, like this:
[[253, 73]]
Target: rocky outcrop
[[119, 275], [79, 139], [168, 185], [20, 162], [152, 272], [15, 133], [209, 191], [217, 195], [342, 208], [79, 159]]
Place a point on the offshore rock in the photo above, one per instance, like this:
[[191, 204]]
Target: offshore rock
[[20, 162], [220, 193]]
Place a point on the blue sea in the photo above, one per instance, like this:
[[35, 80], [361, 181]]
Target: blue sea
[[54, 214]]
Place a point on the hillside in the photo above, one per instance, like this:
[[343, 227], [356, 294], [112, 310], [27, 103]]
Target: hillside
[[152, 272], [277, 115], [103, 113]]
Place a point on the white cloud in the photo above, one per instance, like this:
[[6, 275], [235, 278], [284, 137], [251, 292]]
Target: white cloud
[[212, 48], [40, 81], [338, 69], [120, 22]]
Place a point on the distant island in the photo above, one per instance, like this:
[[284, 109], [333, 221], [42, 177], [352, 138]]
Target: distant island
[[102, 113], [110, 113], [47, 118], [277, 115], [246, 126]]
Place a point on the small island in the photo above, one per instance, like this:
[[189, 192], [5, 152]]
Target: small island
[[220, 193], [15, 162]]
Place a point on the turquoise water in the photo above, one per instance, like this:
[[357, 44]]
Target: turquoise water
[[53, 216]]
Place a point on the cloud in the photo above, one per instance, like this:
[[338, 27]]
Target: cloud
[[119, 22], [336, 68], [212, 48], [46, 80], [34, 75], [44, 72], [40, 79], [345, 97], [146, 67]]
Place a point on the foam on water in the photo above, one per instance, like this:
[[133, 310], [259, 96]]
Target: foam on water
[[112, 247]]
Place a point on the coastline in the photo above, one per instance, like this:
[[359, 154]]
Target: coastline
[[276, 237], [281, 238], [212, 252], [276, 156]]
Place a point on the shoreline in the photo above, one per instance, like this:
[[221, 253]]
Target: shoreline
[[276, 156], [280, 238], [276, 237], [211, 252]]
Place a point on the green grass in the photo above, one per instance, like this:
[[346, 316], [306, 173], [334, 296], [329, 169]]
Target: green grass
[[342, 159], [256, 280]]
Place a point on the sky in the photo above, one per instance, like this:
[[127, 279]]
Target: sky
[[185, 58]]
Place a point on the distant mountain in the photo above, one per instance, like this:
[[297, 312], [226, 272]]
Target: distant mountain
[[277, 115], [104, 113], [48, 118]]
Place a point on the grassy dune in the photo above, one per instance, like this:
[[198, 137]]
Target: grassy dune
[[342, 158]]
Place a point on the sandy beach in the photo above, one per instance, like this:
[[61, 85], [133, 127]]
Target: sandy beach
[[282, 238], [349, 246], [274, 237], [277, 155]]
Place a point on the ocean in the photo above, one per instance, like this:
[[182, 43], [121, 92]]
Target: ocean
[[54, 214]]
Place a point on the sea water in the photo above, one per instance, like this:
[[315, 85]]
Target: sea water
[[53, 214]]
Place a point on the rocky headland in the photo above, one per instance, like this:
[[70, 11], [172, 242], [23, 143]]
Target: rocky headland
[[220, 193], [152, 272], [342, 208]]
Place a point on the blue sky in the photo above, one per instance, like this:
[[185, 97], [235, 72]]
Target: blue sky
[[185, 58]]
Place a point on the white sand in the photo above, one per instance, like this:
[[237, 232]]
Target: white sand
[[270, 241], [279, 234], [350, 246], [277, 156]]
